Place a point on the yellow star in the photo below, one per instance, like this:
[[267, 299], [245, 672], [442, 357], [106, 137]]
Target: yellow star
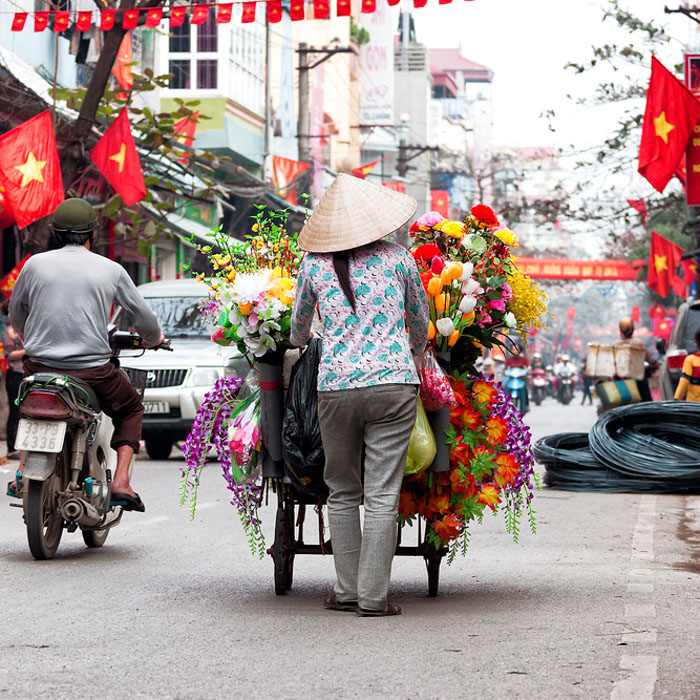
[[119, 156], [662, 127], [31, 170], [660, 263]]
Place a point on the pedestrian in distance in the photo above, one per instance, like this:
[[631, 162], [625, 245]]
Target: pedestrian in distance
[[13, 349], [586, 381], [689, 385], [368, 293], [627, 339]]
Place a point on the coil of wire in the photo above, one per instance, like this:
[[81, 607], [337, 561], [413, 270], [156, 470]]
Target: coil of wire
[[647, 447]]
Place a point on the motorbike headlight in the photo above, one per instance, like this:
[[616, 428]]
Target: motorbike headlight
[[204, 376]]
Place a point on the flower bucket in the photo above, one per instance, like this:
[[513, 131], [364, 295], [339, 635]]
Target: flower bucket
[[440, 423], [271, 412]]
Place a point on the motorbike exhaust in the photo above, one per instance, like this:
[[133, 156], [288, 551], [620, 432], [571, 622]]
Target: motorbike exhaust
[[75, 510]]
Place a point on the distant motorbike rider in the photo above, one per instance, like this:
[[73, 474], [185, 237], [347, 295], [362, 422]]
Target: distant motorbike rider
[[61, 304], [519, 360], [563, 370], [627, 340], [537, 361]]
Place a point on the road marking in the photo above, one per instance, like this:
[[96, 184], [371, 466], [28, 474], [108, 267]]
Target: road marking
[[207, 504], [639, 684], [640, 610], [639, 673]]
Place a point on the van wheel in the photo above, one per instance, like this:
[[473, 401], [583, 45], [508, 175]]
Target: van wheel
[[158, 448]]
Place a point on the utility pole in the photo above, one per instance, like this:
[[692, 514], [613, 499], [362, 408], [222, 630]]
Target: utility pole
[[304, 68], [407, 153]]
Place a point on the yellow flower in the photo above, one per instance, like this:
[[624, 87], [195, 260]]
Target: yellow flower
[[245, 308], [431, 330], [434, 286], [200, 277], [453, 338], [256, 228], [231, 276], [454, 229], [507, 237], [442, 302]]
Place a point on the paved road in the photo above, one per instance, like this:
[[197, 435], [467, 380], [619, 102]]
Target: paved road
[[602, 603]]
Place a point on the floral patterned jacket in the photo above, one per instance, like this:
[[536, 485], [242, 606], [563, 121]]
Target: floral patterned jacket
[[370, 346]]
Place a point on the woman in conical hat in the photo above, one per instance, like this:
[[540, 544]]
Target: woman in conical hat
[[369, 294]]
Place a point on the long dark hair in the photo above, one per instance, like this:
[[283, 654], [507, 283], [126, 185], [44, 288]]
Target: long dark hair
[[342, 271]]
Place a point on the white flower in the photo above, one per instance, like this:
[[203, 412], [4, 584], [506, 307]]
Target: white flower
[[445, 326], [250, 286], [469, 286], [467, 270], [466, 306], [509, 319]]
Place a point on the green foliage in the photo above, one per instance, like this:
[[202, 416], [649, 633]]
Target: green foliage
[[170, 173], [358, 35]]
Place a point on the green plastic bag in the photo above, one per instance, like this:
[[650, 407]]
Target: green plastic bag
[[421, 447]]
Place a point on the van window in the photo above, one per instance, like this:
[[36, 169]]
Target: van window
[[179, 317]]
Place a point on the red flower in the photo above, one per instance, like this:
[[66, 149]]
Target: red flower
[[472, 419], [426, 252], [490, 495], [508, 467], [425, 277], [407, 505], [448, 528], [414, 228], [484, 215], [497, 430], [462, 483]]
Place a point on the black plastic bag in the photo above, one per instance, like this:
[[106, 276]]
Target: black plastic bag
[[301, 433]]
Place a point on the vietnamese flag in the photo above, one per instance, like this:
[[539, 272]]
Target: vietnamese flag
[[84, 21], [41, 21], [248, 12], [30, 170], [274, 11], [116, 157], [154, 16], [121, 69], [440, 202], [664, 258], [284, 172], [183, 132], [670, 115], [20, 19], [639, 205], [364, 170], [321, 9], [7, 283]]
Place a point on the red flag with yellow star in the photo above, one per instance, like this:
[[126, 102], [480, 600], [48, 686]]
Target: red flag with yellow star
[[116, 157], [670, 115], [30, 170], [664, 258], [364, 170]]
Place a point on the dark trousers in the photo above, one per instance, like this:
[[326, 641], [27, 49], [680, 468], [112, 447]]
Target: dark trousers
[[118, 398], [12, 381], [587, 381]]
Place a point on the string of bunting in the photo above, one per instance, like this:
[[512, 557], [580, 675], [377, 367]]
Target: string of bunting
[[60, 20]]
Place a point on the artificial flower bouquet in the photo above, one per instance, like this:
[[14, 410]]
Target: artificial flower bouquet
[[475, 290], [253, 285]]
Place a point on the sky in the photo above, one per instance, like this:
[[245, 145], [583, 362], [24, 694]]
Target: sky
[[527, 43]]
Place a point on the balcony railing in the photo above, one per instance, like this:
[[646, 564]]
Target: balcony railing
[[413, 58]]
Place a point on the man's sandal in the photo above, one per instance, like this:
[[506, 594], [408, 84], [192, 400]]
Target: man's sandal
[[390, 609], [332, 603]]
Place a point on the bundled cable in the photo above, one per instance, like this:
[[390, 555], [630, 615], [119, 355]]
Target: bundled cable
[[647, 447]]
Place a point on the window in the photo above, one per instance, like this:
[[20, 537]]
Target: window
[[193, 55], [181, 75]]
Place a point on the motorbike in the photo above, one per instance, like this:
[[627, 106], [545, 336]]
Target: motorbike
[[539, 385], [515, 383], [565, 389], [66, 456]]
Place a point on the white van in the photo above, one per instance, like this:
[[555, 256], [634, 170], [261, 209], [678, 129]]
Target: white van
[[178, 381]]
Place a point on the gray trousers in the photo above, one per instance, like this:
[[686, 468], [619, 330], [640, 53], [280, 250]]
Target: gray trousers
[[380, 419]]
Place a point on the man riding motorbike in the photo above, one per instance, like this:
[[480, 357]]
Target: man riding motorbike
[[61, 304], [564, 370]]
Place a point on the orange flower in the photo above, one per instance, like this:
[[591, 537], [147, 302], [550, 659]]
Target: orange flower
[[442, 302], [496, 429], [462, 483], [508, 468], [440, 503], [471, 418], [434, 286], [484, 392], [431, 330], [459, 452], [447, 528], [407, 505], [453, 338], [490, 495]]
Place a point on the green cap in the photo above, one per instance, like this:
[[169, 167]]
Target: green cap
[[74, 215]]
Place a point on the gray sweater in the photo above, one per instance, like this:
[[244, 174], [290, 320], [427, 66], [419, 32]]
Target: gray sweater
[[61, 304]]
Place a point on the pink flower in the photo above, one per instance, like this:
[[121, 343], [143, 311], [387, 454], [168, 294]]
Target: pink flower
[[437, 265], [507, 292], [498, 305], [484, 320], [430, 219]]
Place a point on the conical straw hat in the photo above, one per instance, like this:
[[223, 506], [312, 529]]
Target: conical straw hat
[[353, 213]]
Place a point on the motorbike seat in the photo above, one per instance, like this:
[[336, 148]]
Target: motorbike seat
[[83, 392]]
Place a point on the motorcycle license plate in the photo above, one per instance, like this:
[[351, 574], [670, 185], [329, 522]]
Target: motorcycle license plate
[[156, 407], [40, 435]]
